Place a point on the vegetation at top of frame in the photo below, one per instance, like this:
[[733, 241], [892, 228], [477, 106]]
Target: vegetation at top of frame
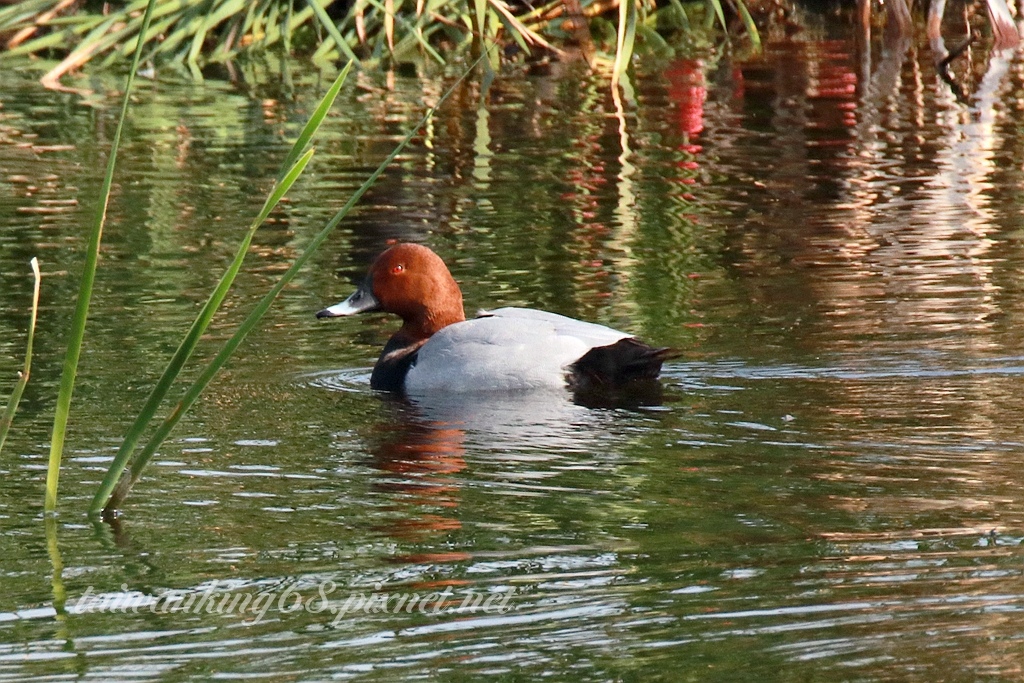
[[196, 33]]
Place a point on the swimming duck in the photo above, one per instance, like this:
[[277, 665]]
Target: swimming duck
[[438, 350]]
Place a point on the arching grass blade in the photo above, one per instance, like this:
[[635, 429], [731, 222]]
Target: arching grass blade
[[191, 340], [19, 387], [748, 23], [139, 463], [295, 164]]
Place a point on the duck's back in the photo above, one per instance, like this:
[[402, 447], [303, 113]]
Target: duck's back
[[504, 350]]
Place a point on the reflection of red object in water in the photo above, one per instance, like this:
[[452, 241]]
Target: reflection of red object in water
[[424, 455], [688, 90], [831, 91]]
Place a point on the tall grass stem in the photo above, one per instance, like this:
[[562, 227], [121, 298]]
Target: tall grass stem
[[67, 380]]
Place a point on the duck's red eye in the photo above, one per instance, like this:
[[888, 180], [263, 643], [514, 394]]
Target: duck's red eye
[[397, 269]]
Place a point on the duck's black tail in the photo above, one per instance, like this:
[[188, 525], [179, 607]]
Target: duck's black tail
[[618, 364]]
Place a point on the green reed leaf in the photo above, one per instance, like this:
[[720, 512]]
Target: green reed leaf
[[332, 30], [748, 23], [67, 379], [294, 164], [719, 12], [684, 20], [139, 463], [317, 117], [625, 40]]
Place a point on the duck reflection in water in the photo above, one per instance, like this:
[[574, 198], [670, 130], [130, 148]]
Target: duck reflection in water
[[421, 450], [418, 459]]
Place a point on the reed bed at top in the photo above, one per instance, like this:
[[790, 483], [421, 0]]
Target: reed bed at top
[[192, 34]]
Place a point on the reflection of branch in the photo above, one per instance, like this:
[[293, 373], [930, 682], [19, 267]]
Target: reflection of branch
[[943, 67], [956, 52], [57, 578]]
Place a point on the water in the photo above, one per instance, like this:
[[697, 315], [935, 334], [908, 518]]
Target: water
[[826, 489]]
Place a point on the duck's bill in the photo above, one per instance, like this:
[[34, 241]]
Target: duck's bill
[[361, 301]]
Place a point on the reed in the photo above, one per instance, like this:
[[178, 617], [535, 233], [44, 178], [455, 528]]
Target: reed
[[625, 39], [294, 164], [23, 375], [67, 380]]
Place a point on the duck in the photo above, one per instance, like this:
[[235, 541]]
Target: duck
[[506, 349]]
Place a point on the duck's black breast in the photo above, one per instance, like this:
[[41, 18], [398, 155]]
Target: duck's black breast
[[398, 356]]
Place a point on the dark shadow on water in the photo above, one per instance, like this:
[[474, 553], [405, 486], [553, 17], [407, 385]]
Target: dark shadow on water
[[645, 393]]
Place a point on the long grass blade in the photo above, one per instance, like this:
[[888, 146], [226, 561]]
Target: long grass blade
[[19, 12], [414, 34], [38, 21], [119, 26], [332, 30], [210, 19], [19, 387], [519, 31], [421, 37], [748, 23], [295, 163], [358, 12], [684, 20], [93, 43], [191, 340], [317, 117], [286, 30], [719, 12], [625, 39], [199, 385], [67, 380], [389, 24], [480, 34]]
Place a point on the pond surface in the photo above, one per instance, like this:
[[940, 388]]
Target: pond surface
[[829, 487]]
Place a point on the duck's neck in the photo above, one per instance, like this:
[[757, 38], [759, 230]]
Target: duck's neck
[[422, 327], [440, 319]]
